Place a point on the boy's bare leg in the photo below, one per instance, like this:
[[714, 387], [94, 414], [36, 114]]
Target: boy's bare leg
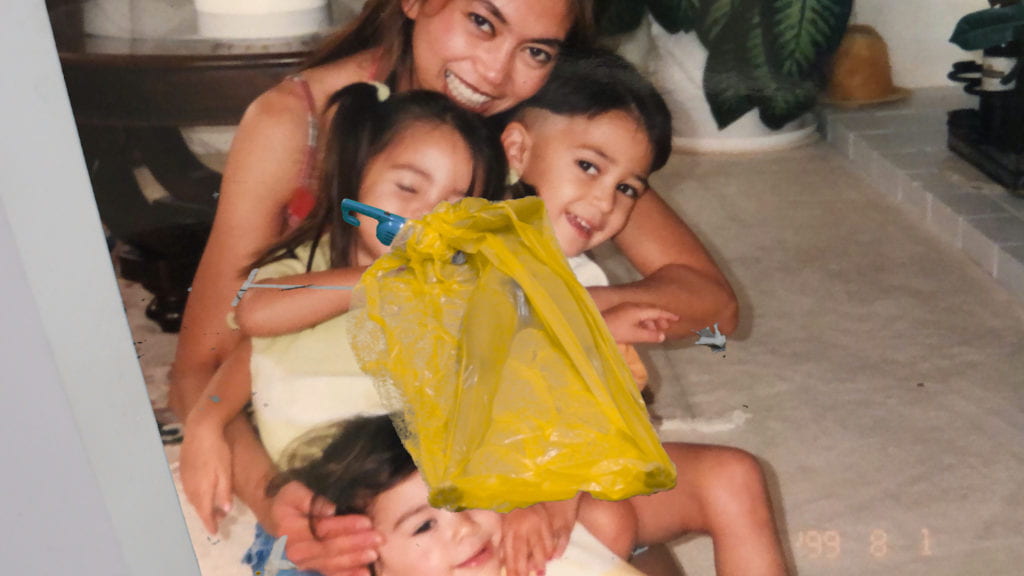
[[721, 492]]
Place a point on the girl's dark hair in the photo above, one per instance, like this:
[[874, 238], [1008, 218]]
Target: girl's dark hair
[[383, 24], [592, 82], [361, 128], [363, 457]]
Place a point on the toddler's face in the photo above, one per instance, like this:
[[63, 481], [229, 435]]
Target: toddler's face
[[588, 171], [424, 165], [420, 540]]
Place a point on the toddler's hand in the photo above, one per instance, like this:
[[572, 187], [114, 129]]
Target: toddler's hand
[[630, 323], [534, 535], [344, 546], [205, 466]]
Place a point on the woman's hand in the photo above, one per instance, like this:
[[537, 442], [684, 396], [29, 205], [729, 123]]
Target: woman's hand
[[631, 323], [205, 467], [534, 535], [343, 545]]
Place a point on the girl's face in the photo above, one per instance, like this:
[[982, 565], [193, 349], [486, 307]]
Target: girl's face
[[486, 55], [588, 171], [425, 164], [420, 540]]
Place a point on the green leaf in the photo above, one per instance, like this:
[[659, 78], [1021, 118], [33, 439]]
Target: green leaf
[[989, 27], [801, 32], [614, 17], [714, 15], [675, 15], [739, 76], [727, 74]]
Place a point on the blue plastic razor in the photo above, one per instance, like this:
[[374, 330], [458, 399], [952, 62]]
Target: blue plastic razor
[[388, 224]]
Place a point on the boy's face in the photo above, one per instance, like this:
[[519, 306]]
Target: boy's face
[[420, 540], [588, 171]]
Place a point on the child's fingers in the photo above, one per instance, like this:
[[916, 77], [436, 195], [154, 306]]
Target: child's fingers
[[514, 552]]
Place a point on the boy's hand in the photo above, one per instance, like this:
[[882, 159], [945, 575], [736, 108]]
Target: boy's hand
[[534, 535], [205, 466], [343, 546], [631, 323]]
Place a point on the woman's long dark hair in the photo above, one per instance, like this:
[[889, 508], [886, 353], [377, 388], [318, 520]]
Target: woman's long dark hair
[[383, 24], [361, 128]]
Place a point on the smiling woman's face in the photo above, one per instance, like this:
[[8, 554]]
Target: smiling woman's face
[[486, 55], [420, 540]]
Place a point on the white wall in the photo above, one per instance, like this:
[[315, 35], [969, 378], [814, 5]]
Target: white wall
[[85, 488], [917, 32]]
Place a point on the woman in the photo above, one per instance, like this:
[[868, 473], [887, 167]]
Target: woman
[[487, 55]]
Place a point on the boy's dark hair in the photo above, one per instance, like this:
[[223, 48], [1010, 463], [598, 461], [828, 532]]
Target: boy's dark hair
[[592, 82], [361, 128], [363, 457], [379, 20]]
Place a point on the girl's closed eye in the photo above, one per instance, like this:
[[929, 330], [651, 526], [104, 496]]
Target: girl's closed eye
[[406, 187]]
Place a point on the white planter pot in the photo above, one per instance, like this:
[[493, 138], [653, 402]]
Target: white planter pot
[[260, 18], [675, 64]]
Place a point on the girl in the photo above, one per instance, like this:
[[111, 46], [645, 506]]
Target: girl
[[362, 468], [404, 154], [586, 144], [484, 54]]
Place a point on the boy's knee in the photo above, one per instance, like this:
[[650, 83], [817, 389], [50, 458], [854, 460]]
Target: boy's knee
[[738, 474]]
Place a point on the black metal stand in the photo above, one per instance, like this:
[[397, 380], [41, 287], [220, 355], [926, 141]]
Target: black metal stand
[[991, 138], [964, 139]]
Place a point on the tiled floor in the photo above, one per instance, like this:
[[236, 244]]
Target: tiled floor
[[901, 148]]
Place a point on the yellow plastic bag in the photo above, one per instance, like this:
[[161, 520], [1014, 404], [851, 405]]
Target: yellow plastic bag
[[506, 384]]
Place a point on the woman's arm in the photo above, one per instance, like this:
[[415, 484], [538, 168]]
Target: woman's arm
[[261, 172], [271, 312], [205, 454], [678, 273]]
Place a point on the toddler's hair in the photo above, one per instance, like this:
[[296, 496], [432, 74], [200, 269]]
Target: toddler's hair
[[361, 128], [592, 82], [355, 460]]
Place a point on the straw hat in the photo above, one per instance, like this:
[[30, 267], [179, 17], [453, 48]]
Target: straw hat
[[861, 74]]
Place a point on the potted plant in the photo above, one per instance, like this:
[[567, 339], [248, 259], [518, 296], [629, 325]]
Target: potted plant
[[747, 61]]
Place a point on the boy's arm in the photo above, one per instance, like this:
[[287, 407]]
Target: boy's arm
[[678, 273], [274, 311]]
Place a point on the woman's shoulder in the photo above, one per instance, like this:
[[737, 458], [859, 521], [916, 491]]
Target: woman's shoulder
[[287, 103], [326, 79]]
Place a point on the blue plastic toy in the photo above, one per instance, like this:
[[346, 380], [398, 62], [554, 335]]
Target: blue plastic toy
[[388, 224]]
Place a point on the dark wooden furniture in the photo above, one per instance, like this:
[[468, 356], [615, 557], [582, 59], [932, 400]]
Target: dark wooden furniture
[[130, 91]]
